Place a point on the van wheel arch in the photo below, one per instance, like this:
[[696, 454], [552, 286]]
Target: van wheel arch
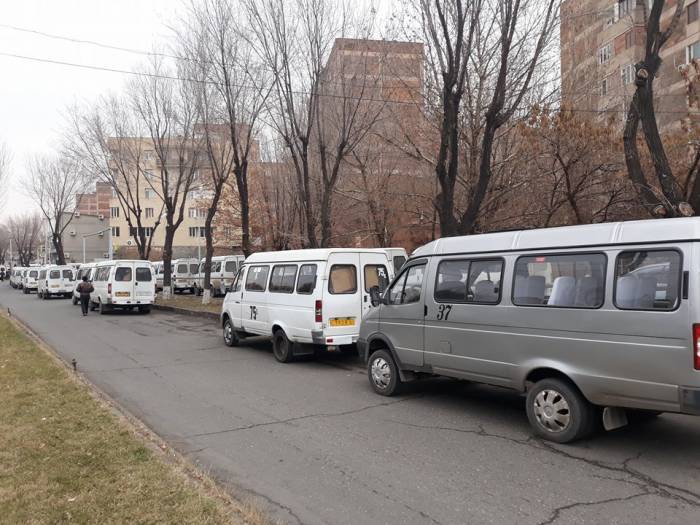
[[540, 373], [376, 343]]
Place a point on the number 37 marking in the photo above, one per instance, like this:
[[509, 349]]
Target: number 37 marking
[[444, 312]]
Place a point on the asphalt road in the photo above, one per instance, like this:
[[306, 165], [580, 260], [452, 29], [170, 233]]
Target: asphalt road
[[312, 443]]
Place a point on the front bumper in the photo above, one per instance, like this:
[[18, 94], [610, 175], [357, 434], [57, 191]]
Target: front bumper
[[690, 400]]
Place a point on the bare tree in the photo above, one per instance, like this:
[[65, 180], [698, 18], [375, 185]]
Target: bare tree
[[107, 140], [482, 59], [668, 200], [321, 116], [4, 244], [25, 231], [55, 183], [167, 108], [231, 92], [4, 170]]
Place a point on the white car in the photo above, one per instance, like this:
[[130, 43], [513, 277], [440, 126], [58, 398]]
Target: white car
[[127, 285], [304, 299], [55, 281]]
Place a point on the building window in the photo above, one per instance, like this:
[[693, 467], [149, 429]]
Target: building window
[[149, 213], [693, 12], [228, 232], [625, 7], [149, 193], [604, 87], [148, 174], [196, 213], [692, 52], [197, 231], [605, 53], [114, 193], [629, 39], [114, 211], [148, 155], [627, 74], [192, 213], [115, 231]]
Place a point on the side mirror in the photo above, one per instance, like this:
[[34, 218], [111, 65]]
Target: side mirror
[[375, 296]]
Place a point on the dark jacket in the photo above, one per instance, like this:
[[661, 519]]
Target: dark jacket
[[85, 288]]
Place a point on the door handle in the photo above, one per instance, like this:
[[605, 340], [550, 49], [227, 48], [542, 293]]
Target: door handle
[[365, 298]]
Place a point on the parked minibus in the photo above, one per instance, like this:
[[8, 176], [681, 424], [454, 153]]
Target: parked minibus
[[55, 281], [85, 270], [397, 256], [223, 272], [127, 285], [158, 269], [16, 277], [184, 275], [303, 299], [30, 281], [587, 321]]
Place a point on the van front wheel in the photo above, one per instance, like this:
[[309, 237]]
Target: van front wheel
[[558, 411], [230, 336], [383, 373], [281, 346]]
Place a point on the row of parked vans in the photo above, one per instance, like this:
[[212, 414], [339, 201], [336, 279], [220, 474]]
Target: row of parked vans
[[188, 274], [595, 324]]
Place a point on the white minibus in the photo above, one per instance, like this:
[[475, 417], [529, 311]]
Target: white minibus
[[84, 270], [128, 284], [158, 269], [223, 272], [30, 281], [184, 275], [16, 277], [304, 299], [55, 280]]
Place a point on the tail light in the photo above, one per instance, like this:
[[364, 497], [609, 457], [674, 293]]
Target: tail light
[[319, 311], [109, 287], [696, 346]]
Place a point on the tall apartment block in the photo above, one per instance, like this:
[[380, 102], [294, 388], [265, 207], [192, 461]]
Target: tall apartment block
[[601, 40]]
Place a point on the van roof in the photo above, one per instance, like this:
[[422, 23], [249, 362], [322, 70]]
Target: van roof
[[115, 261], [611, 233], [312, 254]]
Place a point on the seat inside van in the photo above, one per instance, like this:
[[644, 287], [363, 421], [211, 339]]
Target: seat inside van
[[529, 289]]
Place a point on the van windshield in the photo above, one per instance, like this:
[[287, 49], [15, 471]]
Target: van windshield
[[122, 274], [54, 274], [68, 274]]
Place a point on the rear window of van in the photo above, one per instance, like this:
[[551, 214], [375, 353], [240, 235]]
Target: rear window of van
[[54, 274], [68, 274], [194, 267], [342, 279], [33, 273], [123, 274], [181, 268], [230, 266], [143, 274]]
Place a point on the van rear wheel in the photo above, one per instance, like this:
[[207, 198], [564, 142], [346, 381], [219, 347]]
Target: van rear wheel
[[103, 308], [281, 346], [558, 412], [383, 373]]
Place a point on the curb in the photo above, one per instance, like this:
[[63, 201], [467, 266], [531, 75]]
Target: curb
[[185, 311]]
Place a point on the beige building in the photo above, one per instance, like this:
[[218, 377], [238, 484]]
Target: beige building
[[601, 40]]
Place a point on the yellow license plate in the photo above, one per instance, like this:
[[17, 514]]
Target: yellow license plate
[[122, 294], [55, 286], [343, 321]]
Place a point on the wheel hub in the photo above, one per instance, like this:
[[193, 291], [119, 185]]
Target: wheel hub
[[552, 411], [381, 372]]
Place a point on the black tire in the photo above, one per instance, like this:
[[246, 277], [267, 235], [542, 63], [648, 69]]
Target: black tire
[[383, 373], [558, 412], [93, 306], [282, 347], [144, 309], [46, 296], [230, 336], [75, 301], [103, 308], [25, 291]]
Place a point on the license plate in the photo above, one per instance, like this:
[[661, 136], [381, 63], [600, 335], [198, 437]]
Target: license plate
[[122, 294], [342, 321], [55, 286]]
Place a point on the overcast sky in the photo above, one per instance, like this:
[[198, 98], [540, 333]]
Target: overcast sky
[[34, 95]]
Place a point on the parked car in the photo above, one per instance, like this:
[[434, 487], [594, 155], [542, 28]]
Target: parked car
[[30, 281], [303, 299], [127, 284], [16, 277], [223, 272], [184, 275], [84, 270], [585, 320], [55, 280]]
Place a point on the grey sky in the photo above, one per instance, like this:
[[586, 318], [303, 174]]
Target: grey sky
[[33, 95]]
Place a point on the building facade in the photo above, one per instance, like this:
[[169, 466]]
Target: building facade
[[602, 40]]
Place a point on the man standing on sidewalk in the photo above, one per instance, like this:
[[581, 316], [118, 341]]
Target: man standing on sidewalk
[[85, 289]]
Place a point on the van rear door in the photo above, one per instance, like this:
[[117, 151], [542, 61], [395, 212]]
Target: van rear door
[[123, 283], [144, 283], [376, 271], [342, 298]]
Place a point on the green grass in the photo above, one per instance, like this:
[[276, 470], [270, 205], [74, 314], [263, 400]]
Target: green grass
[[192, 302], [66, 458]]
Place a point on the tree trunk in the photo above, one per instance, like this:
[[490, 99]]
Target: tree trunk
[[447, 163], [167, 260], [58, 246]]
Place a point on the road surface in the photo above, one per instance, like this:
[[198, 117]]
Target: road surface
[[311, 443]]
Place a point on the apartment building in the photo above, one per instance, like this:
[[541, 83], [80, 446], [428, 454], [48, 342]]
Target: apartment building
[[97, 202], [601, 40]]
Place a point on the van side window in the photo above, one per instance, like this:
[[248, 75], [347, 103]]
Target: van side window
[[342, 279], [283, 278], [568, 281], [407, 288], [467, 281], [376, 275], [193, 268], [307, 279], [143, 274], [123, 274], [238, 280], [257, 278], [647, 280], [230, 267]]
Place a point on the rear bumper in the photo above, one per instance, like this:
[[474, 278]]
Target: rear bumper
[[319, 338], [690, 400]]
